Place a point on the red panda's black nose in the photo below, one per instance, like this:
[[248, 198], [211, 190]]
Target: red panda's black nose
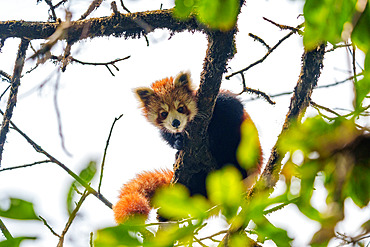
[[176, 123]]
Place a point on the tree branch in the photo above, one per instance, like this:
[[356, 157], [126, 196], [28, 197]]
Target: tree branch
[[195, 161], [312, 63], [15, 82], [5, 230], [72, 217], [60, 164], [115, 25], [24, 166], [267, 53], [105, 151]]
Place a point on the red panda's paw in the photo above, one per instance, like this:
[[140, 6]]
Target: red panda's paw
[[129, 205]]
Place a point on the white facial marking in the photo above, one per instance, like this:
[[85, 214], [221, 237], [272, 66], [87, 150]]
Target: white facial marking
[[174, 115]]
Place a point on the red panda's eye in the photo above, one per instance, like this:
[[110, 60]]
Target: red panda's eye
[[181, 109], [164, 114]]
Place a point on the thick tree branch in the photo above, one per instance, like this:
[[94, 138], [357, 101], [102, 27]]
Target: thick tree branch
[[312, 63], [115, 25], [15, 82], [195, 160]]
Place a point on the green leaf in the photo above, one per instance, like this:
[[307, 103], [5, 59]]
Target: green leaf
[[317, 135], [175, 203], [249, 150], [174, 235], [322, 237], [325, 20], [358, 185], [224, 187], [15, 242], [265, 230], [361, 38], [86, 174], [361, 34], [219, 14], [121, 235], [183, 8], [362, 87], [19, 209]]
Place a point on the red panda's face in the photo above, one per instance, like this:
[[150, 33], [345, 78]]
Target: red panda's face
[[175, 116], [168, 104]]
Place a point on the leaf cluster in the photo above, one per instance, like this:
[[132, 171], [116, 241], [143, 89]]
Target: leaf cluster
[[217, 14], [338, 21], [18, 209]]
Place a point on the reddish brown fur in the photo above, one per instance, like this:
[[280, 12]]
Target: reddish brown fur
[[136, 195], [166, 92]]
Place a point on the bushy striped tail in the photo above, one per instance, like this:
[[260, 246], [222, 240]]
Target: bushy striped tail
[[136, 195]]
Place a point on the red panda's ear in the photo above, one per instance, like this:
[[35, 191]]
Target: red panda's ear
[[144, 93], [183, 80]]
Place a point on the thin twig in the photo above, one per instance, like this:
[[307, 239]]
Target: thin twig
[[5, 230], [124, 7], [255, 91], [7, 88], [354, 63], [60, 164], [49, 227], [12, 100], [285, 27], [318, 107], [351, 240], [72, 217], [24, 166], [59, 118], [282, 205], [214, 235], [60, 3], [264, 57], [199, 241], [91, 239], [53, 16], [93, 6], [105, 151], [104, 63], [318, 87], [337, 46], [101, 63], [255, 37], [6, 76]]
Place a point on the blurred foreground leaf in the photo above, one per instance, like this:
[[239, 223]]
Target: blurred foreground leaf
[[87, 174], [175, 203], [326, 20], [248, 152], [15, 242], [224, 188], [19, 209], [217, 14]]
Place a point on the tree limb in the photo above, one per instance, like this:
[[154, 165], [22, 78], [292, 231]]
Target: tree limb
[[312, 63], [115, 25], [195, 161], [60, 164], [15, 82]]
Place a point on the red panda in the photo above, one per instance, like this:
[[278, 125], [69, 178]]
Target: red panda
[[170, 104]]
